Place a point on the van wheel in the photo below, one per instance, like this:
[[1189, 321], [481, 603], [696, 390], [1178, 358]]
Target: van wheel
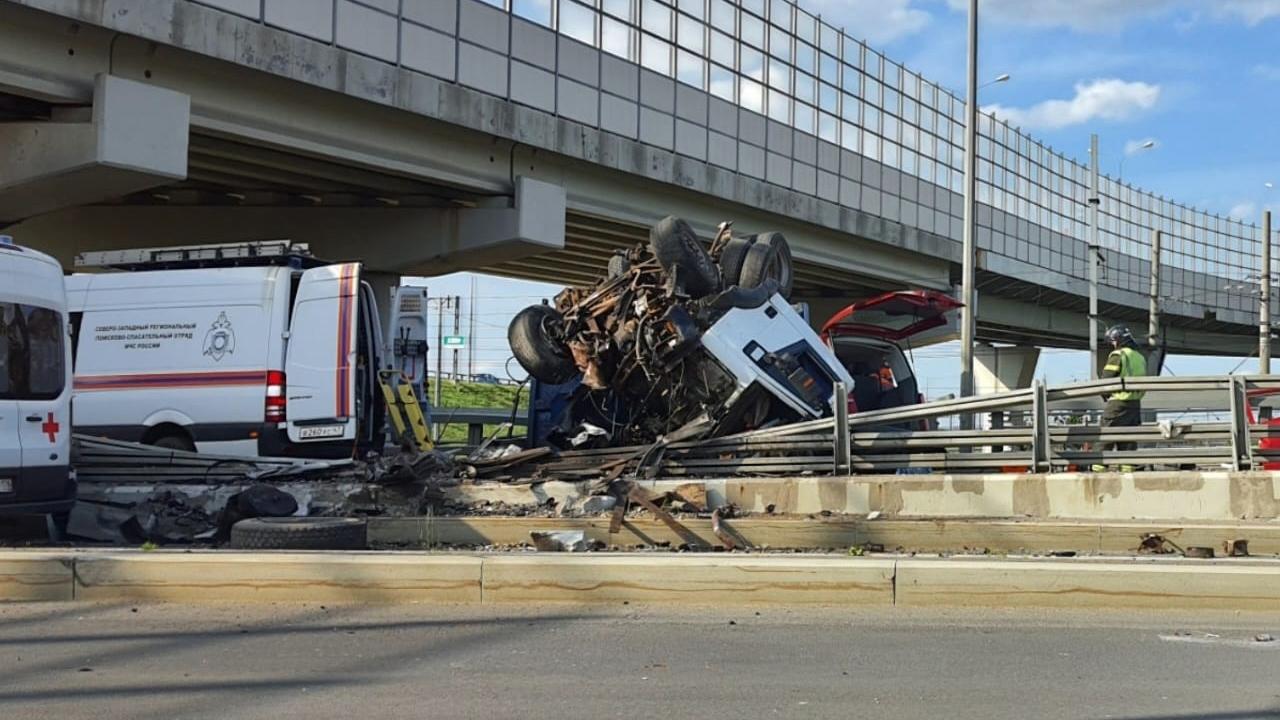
[[174, 441], [680, 253], [534, 344], [768, 259], [300, 533]]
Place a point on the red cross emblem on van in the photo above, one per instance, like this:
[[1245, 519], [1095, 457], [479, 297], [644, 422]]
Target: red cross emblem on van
[[51, 428]]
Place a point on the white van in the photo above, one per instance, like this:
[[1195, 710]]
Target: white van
[[35, 385], [249, 349]]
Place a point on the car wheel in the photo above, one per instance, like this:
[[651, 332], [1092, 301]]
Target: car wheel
[[735, 251], [305, 533], [534, 345], [174, 441], [769, 258], [680, 253]]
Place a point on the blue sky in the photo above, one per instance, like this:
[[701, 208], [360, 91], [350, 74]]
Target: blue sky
[[1199, 77]]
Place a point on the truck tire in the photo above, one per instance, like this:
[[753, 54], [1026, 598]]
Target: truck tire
[[305, 533], [174, 441], [679, 252], [769, 258], [536, 349], [735, 251]]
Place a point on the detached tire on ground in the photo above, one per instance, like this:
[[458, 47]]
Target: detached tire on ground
[[680, 252], [536, 349], [294, 533], [769, 258]]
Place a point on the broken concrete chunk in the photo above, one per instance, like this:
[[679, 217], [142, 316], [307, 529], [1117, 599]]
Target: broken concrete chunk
[[563, 541], [599, 504]]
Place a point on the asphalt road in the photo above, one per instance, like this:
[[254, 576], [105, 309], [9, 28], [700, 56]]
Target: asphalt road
[[69, 661]]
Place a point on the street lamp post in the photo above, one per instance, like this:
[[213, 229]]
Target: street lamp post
[[1144, 146], [967, 311]]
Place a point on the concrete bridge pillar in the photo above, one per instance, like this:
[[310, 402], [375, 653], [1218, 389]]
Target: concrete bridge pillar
[[997, 369]]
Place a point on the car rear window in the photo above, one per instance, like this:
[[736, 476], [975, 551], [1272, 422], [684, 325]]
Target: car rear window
[[31, 352]]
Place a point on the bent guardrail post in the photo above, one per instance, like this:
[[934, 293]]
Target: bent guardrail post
[[1040, 450], [843, 462]]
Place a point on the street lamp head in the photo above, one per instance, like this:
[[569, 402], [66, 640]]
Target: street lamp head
[[1268, 185], [1148, 144], [1002, 78]]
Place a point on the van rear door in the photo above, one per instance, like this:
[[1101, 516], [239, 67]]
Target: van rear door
[[321, 355], [44, 404]]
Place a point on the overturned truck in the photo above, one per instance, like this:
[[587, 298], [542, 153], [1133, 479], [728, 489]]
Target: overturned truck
[[678, 342]]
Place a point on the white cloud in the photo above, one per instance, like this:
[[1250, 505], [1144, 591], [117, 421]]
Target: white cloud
[[1250, 12], [1105, 99], [1133, 147], [876, 21], [1243, 210]]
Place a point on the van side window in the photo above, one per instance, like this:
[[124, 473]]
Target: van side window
[[31, 352]]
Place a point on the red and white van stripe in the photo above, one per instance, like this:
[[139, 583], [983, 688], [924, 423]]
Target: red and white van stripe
[[166, 380]]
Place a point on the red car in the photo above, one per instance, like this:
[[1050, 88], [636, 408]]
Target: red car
[[865, 337]]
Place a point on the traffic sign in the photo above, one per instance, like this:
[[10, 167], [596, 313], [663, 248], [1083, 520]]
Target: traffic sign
[[455, 342]]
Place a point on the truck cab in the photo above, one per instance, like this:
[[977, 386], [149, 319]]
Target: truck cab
[[35, 385]]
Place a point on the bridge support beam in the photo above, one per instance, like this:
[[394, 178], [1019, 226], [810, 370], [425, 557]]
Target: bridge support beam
[[133, 138], [418, 241]]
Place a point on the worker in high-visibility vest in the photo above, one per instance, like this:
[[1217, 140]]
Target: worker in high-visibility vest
[[1124, 408]]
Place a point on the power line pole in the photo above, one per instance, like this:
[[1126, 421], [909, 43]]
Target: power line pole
[[1094, 250], [967, 290], [471, 332], [1264, 299], [439, 348], [457, 328], [1154, 351]]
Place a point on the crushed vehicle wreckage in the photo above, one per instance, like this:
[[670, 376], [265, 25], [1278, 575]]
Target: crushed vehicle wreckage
[[678, 343]]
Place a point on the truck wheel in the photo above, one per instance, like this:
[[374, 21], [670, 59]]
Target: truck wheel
[[768, 259], [680, 252], [174, 441], [735, 251], [534, 345], [305, 533]]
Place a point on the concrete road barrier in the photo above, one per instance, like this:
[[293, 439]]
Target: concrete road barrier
[[1151, 584], [35, 576], [690, 579], [268, 576], [674, 579]]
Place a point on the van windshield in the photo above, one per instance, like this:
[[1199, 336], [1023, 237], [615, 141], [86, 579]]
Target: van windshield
[[31, 352]]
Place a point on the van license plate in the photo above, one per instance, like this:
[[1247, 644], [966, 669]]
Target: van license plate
[[6, 485], [316, 432]]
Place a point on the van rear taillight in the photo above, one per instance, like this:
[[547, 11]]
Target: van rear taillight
[[275, 403]]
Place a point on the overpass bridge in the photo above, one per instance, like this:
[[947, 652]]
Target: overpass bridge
[[427, 136]]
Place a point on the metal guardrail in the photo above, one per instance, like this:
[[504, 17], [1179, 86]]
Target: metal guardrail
[[476, 418], [1040, 437]]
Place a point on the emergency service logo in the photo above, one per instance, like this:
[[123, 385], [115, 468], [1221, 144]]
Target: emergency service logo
[[221, 339]]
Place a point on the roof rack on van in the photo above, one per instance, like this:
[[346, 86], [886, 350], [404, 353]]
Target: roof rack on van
[[254, 253]]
